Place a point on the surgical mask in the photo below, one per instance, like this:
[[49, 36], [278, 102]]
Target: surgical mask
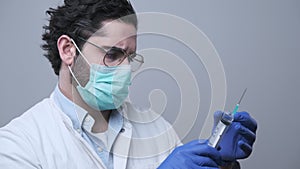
[[107, 87]]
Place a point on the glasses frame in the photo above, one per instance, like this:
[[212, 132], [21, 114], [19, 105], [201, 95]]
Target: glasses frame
[[130, 57]]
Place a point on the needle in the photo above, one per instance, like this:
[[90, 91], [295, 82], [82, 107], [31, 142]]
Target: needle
[[238, 104]]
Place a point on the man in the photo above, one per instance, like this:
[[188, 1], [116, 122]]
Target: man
[[87, 122]]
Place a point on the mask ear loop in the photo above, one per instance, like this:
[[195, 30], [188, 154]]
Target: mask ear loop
[[80, 52], [83, 58], [74, 76]]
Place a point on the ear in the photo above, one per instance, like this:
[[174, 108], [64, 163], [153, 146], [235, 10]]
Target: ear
[[66, 49]]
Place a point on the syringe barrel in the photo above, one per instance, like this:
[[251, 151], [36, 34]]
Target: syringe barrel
[[220, 129]]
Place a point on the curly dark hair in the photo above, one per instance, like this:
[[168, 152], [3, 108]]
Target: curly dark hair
[[81, 18]]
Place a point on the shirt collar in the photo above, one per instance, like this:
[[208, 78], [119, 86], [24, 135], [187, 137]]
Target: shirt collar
[[81, 119], [73, 111]]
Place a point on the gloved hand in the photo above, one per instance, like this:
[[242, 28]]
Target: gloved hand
[[195, 154], [239, 138]]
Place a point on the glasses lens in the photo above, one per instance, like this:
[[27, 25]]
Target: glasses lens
[[136, 61], [114, 56]]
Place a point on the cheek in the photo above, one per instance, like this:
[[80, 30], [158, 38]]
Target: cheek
[[93, 56], [81, 70], [96, 58]]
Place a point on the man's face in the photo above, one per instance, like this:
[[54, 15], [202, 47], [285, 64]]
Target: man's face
[[113, 34]]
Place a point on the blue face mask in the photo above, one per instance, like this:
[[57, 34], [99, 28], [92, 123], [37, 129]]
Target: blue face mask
[[107, 87]]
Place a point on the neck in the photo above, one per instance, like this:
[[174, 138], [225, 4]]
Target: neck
[[101, 121], [101, 117]]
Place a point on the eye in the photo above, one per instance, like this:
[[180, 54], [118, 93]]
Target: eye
[[114, 54]]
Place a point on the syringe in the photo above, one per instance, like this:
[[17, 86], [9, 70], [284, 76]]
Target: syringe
[[223, 124]]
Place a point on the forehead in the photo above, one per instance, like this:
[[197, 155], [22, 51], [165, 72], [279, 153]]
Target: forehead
[[114, 32]]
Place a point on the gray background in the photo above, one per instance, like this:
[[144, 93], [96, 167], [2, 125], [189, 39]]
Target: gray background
[[258, 42]]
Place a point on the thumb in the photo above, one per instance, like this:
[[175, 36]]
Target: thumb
[[217, 117]]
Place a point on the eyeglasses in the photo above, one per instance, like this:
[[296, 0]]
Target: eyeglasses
[[114, 56]]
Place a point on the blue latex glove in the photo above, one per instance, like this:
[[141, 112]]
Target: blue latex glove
[[195, 154], [238, 140]]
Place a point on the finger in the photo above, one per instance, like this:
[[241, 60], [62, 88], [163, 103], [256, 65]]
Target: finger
[[204, 161], [247, 134], [200, 148], [245, 147], [246, 120], [217, 117], [195, 166], [210, 152]]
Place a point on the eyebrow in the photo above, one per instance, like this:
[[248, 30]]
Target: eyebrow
[[106, 48]]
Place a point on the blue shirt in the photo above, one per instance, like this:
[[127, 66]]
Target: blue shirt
[[83, 123]]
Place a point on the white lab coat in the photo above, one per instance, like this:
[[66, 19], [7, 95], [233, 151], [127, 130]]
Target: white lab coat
[[43, 137]]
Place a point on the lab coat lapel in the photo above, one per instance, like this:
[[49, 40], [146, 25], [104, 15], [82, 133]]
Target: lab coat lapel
[[121, 147]]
